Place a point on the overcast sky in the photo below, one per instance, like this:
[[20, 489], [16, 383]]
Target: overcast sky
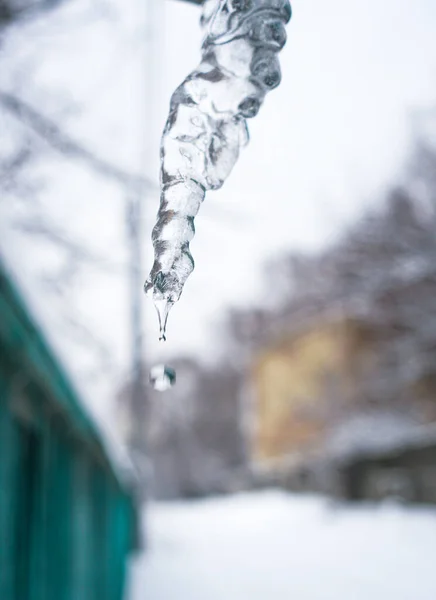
[[325, 144]]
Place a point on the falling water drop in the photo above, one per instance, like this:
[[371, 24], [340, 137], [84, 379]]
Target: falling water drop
[[162, 377]]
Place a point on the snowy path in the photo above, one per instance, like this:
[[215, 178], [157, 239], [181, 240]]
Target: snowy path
[[272, 546]]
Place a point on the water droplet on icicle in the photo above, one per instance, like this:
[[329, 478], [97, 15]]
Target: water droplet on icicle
[[163, 308], [162, 377]]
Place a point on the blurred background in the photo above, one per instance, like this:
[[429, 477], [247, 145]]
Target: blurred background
[[296, 455]]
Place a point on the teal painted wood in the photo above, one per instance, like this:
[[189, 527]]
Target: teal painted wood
[[81, 527], [9, 464], [124, 539], [67, 519], [37, 545], [29, 353], [58, 533], [117, 517]]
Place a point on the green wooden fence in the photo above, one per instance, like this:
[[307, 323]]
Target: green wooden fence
[[67, 518]]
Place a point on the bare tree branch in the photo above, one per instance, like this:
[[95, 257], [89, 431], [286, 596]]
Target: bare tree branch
[[12, 12], [39, 227], [83, 335], [62, 143], [10, 167]]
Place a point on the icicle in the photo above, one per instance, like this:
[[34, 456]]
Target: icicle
[[206, 127]]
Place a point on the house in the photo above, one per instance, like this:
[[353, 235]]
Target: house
[[302, 382], [357, 364], [68, 517]]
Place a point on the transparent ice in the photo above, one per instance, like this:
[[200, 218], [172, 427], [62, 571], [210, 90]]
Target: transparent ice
[[162, 377], [206, 127]]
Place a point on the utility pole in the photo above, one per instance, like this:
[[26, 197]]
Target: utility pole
[[137, 400], [149, 16]]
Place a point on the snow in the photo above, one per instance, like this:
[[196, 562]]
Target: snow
[[376, 432], [275, 546]]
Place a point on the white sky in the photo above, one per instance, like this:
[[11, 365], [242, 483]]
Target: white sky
[[324, 145]]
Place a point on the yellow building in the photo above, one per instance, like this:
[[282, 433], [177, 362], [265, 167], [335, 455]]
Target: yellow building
[[299, 383]]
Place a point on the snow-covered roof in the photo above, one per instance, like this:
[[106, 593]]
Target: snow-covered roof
[[377, 433]]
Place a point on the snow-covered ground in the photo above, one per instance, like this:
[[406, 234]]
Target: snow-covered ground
[[274, 546]]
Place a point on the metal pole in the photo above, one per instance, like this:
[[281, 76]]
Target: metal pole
[[139, 413], [137, 402]]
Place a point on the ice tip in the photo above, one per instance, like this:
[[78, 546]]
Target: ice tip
[[163, 307]]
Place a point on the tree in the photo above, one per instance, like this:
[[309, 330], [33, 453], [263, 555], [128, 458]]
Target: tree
[[12, 12], [381, 273], [36, 124]]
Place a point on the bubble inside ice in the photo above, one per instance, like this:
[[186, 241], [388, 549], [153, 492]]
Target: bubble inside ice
[[162, 377]]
